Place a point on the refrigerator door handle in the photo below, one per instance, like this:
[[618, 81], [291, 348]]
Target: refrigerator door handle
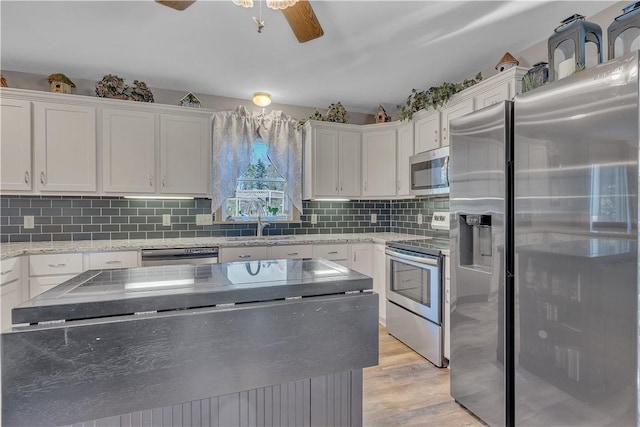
[[446, 170]]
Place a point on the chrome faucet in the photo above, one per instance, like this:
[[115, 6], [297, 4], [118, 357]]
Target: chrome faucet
[[261, 225]]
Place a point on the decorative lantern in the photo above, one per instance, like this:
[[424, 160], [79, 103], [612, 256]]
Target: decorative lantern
[[535, 77], [575, 43], [624, 32]]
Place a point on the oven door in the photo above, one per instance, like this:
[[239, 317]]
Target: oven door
[[413, 282]]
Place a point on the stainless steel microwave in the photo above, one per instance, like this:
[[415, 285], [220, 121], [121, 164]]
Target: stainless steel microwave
[[430, 172]]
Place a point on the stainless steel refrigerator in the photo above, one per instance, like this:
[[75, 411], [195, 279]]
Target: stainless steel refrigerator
[[544, 221]]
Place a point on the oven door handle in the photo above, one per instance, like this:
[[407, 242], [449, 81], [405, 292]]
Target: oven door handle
[[399, 256]]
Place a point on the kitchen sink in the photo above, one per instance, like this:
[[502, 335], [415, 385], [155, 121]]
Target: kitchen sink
[[258, 238]]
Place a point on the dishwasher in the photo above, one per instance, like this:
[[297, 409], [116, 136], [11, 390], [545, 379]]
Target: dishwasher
[[170, 256]]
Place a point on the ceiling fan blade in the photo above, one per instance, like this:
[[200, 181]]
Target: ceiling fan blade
[[303, 21], [176, 4]]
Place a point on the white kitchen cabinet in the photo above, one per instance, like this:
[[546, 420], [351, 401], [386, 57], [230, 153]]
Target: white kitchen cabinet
[[110, 260], [49, 270], [337, 253], [128, 151], [453, 112], [184, 154], [244, 253], [379, 163], [10, 289], [426, 131], [380, 280], [501, 87], [492, 96], [64, 148], [447, 307], [360, 258], [332, 161], [290, 251], [404, 153], [15, 145]]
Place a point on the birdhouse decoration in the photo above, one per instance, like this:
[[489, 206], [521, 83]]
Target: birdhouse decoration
[[624, 32], [507, 61], [60, 83], [190, 100], [3, 81], [575, 44], [381, 116]]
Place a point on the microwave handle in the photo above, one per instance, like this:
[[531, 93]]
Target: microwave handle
[[446, 169]]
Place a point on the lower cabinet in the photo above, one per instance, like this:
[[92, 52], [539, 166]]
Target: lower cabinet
[[49, 270], [360, 258], [447, 307], [380, 279], [244, 253], [10, 289], [109, 260], [336, 253], [291, 251]]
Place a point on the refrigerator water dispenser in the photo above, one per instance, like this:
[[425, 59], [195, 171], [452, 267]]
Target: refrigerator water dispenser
[[476, 241]]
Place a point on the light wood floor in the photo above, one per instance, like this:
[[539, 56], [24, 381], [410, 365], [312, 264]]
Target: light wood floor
[[407, 390]]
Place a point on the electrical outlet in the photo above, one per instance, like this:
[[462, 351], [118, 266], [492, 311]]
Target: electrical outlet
[[28, 221], [419, 218], [314, 218], [374, 218], [166, 220], [204, 219]]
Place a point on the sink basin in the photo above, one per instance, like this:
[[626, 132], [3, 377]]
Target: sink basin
[[256, 238]]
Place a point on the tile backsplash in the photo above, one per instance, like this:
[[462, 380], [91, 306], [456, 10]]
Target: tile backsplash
[[59, 218]]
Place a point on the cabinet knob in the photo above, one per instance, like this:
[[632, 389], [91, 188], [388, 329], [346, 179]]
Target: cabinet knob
[[26, 177], [340, 185], [365, 186], [43, 178], [58, 265], [164, 181], [151, 180], [336, 186]]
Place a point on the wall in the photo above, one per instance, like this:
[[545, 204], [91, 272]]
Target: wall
[[20, 80], [110, 218]]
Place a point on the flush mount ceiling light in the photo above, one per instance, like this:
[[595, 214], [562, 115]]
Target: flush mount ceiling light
[[271, 4], [261, 99]]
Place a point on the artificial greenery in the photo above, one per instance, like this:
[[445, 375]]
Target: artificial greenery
[[434, 97], [336, 113]]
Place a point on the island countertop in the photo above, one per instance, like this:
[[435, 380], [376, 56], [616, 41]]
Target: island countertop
[[101, 293]]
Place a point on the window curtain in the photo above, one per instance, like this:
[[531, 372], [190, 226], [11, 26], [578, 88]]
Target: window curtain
[[284, 140], [233, 135]]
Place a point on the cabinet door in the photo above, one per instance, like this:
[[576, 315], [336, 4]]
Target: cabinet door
[[325, 162], [243, 254], [447, 307], [379, 163], [380, 280], [291, 251], [128, 151], [110, 260], [427, 132], [9, 298], [493, 96], [360, 259], [336, 253], [453, 112], [65, 148], [405, 151], [15, 145], [38, 285], [349, 161], [184, 154]]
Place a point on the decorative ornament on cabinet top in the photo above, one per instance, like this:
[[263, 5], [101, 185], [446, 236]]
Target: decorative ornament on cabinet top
[[112, 86]]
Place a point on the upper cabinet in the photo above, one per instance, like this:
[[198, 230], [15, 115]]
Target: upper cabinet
[[15, 145], [427, 131], [184, 154], [64, 148], [332, 158], [453, 112], [128, 151], [404, 152], [86, 145], [379, 161]]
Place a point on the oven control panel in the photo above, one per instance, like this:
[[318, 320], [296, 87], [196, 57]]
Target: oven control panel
[[440, 221]]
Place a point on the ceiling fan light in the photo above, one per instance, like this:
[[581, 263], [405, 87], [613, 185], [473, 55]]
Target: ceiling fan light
[[280, 4], [261, 99], [243, 3]]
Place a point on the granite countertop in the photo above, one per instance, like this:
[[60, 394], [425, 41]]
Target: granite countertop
[[100, 293], [9, 250]]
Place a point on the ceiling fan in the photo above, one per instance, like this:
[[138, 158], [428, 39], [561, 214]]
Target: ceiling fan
[[300, 16]]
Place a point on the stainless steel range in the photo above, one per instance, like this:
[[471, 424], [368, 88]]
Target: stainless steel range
[[415, 295]]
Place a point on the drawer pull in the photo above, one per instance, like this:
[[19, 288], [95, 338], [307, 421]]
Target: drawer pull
[[332, 252], [244, 256], [26, 177], [43, 178], [292, 253], [62, 264], [116, 261], [6, 272]]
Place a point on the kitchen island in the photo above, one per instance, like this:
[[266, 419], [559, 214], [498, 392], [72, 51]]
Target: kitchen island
[[247, 343]]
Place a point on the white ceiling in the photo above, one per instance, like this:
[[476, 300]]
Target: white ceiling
[[372, 52]]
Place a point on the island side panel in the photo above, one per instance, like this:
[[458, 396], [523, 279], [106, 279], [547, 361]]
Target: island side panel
[[88, 370]]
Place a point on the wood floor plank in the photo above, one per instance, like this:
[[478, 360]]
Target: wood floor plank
[[407, 390]]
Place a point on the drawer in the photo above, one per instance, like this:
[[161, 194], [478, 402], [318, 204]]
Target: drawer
[[53, 264], [108, 260], [243, 254], [291, 251], [38, 285], [332, 252], [9, 270]]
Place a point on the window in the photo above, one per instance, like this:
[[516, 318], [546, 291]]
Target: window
[[260, 189]]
